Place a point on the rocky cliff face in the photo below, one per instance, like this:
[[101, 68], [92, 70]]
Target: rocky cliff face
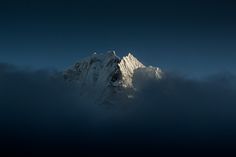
[[104, 76]]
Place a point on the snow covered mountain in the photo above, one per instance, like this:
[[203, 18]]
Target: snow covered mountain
[[105, 77]]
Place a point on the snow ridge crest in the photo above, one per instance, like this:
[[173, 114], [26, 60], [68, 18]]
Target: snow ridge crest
[[107, 74]]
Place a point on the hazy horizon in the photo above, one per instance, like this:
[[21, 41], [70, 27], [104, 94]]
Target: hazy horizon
[[178, 114]]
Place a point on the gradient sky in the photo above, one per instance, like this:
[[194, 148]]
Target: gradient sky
[[193, 37], [40, 113]]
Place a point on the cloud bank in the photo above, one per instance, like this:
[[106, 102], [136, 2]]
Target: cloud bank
[[40, 114]]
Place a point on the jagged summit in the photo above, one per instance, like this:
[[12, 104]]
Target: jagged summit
[[127, 66], [106, 75]]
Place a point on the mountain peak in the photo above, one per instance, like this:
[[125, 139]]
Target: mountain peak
[[106, 74], [130, 55], [127, 66]]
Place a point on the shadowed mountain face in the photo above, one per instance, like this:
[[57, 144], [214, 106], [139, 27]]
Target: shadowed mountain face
[[106, 76]]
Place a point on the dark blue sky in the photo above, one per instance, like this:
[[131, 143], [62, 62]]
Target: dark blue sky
[[174, 116], [194, 37]]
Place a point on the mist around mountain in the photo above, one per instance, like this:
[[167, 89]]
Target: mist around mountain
[[108, 79], [42, 114]]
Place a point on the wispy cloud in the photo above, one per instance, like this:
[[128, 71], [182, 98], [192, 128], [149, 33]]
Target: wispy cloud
[[39, 111]]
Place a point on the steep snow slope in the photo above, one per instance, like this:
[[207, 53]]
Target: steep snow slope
[[104, 76], [127, 66]]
